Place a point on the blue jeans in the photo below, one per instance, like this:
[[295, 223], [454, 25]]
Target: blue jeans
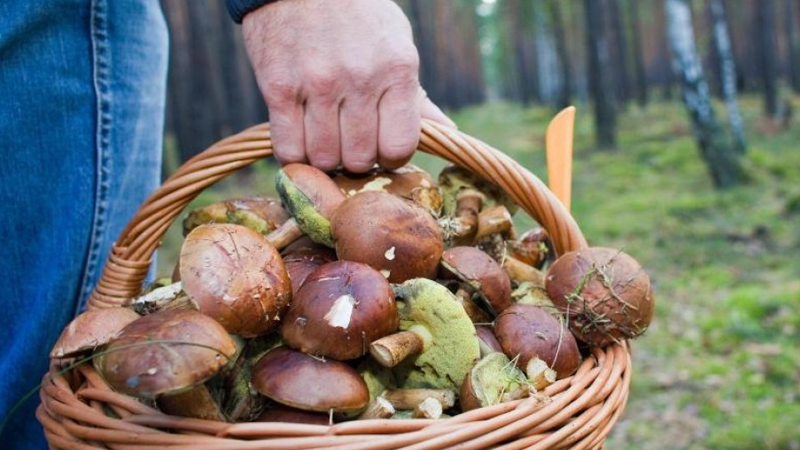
[[82, 92]]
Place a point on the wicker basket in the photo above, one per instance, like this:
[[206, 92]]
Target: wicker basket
[[79, 411]]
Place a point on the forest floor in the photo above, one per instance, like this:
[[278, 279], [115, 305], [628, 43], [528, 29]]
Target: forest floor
[[720, 366]]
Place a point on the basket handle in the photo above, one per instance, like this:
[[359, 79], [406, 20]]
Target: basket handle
[[130, 257]]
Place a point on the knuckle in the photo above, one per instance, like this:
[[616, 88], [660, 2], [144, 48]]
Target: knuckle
[[281, 91], [321, 83]]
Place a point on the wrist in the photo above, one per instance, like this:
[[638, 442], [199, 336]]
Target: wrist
[[240, 8]]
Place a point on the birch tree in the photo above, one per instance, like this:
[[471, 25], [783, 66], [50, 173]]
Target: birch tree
[[727, 70], [721, 160]]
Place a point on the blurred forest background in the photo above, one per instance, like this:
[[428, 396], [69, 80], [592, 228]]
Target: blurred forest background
[[686, 156]]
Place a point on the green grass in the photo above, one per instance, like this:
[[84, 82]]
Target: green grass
[[720, 366]]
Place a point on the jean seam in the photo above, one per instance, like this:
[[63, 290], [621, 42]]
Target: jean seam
[[101, 61]]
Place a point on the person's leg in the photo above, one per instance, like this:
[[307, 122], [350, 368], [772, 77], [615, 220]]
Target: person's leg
[[82, 88]]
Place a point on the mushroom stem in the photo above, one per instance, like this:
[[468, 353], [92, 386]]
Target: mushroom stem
[[390, 350], [411, 398], [380, 408], [468, 207], [164, 298], [521, 272], [430, 408], [285, 234], [493, 221], [539, 374]]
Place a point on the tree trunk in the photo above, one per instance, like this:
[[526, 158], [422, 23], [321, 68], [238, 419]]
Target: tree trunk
[[600, 83], [567, 90], [620, 51], [768, 66], [722, 161], [638, 57], [791, 44], [727, 71]]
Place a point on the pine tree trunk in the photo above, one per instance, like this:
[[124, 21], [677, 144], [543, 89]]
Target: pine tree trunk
[[722, 161], [791, 44], [600, 82], [620, 51], [567, 91], [727, 70], [766, 46], [638, 56]]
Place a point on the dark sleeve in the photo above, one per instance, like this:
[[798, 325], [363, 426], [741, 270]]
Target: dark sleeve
[[239, 8]]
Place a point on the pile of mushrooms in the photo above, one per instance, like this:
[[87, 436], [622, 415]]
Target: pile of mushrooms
[[381, 295]]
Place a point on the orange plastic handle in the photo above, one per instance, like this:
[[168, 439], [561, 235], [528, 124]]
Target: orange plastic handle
[[559, 140]]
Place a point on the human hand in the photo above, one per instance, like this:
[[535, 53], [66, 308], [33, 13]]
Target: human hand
[[341, 81]]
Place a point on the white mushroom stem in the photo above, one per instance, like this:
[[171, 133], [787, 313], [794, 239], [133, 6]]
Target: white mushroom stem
[[380, 408], [496, 220], [430, 408], [390, 350], [164, 298], [285, 234], [539, 374], [411, 398], [521, 272]]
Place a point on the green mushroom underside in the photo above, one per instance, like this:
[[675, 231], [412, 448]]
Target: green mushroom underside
[[444, 363], [495, 378], [313, 224]]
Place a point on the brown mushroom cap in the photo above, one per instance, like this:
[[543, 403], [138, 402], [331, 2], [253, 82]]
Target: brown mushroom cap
[[164, 352], [605, 293], [390, 234], [92, 329], [235, 276], [342, 307], [281, 413], [317, 186], [308, 383], [527, 331], [532, 248], [409, 182], [304, 256], [487, 340], [481, 272]]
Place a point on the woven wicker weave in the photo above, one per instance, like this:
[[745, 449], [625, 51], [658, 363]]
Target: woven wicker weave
[[79, 411]]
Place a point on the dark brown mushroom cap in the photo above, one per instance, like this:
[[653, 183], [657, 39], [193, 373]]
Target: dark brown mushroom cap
[[281, 413], [341, 308], [236, 277], [479, 270], [302, 257], [409, 182], [487, 340], [527, 331], [164, 352], [308, 383], [391, 234], [532, 248], [605, 293], [317, 186], [90, 330]]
